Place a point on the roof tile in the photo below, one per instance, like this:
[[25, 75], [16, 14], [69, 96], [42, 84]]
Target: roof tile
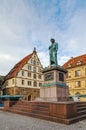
[[18, 67], [75, 61]]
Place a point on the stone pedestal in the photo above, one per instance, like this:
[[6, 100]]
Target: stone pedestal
[[54, 87]]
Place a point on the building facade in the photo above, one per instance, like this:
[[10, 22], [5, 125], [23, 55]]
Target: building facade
[[76, 76], [25, 78], [1, 81]]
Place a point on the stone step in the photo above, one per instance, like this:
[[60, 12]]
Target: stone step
[[35, 115], [47, 117], [20, 103], [51, 118], [20, 109], [33, 106], [40, 105], [81, 108], [40, 108], [81, 104], [76, 119], [81, 112], [40, 112], [36, 111]]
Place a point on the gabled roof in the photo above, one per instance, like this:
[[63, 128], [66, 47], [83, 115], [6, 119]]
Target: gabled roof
[[18, 67], [75, 61]]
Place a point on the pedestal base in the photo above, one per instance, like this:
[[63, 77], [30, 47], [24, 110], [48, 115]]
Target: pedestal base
[[54, 87], [54, 93]]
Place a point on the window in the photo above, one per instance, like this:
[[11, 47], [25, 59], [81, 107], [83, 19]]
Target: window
[[61, 77], [29, 74], [34, 69], [68, 75], [22, 72], [12, 81], [31, 61], [34, 76], [22, 82], [69, 65], [40, 84], [29, 83], [39, 76], [39, 69], [77, 73], [79, 63], [29, 68], [78, 83], [35, 84], [34, 62]]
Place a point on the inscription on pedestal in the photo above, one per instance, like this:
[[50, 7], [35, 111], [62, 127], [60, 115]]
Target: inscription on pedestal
[[49, 76]]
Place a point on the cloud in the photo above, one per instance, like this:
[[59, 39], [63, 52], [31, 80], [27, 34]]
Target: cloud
[[27, 24], [63, 59], [75, 35], [5, 57], [44, 58]]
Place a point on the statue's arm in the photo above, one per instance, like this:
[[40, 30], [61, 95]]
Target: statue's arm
[[55, 46]]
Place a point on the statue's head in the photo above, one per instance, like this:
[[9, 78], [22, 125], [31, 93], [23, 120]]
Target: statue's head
[[52, 40]]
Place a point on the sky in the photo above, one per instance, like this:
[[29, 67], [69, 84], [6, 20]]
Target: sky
[[25, 24]]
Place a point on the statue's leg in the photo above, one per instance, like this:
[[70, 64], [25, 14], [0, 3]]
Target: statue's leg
[[55, 58], [56, 63]]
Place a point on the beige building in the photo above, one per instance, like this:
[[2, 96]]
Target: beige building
[[25, 78], [76, 76]]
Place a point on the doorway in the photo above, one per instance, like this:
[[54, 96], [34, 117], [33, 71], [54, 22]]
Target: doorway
[[29, 98]]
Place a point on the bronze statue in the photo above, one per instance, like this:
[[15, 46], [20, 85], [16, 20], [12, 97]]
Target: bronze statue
[[53, 53]]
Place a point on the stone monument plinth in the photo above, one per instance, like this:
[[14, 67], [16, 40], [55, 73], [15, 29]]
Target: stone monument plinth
[[54, 87]]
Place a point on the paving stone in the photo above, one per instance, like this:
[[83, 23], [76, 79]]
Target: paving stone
[[11, 121]]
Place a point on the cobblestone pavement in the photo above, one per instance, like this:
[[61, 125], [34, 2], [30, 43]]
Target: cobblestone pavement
[[10, 121]]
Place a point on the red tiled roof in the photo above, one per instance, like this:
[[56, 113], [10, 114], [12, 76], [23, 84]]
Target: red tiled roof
[[75, 61], [17, 67]]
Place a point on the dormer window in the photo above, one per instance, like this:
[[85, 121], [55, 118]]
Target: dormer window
[[79, 62], [69, 65]]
